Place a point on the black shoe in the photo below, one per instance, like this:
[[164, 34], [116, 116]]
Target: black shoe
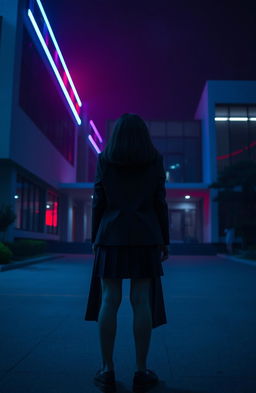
[[144, 380], [105, 381]]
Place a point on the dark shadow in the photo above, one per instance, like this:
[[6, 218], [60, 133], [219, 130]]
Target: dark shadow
[[160, 388], [120, 388]]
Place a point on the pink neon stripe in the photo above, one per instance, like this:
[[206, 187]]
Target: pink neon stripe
[[95, 130], [93, 143]]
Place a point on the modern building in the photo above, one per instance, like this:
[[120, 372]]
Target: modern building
[[49, 146], [41, 121]]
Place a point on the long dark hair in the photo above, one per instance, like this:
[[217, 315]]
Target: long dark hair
[[130, 143]]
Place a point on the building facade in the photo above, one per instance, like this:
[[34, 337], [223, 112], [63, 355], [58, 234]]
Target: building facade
[[39, 126], [49, 147]]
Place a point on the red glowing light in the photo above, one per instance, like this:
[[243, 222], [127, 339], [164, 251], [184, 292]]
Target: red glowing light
[[51, 217], [236, 152]]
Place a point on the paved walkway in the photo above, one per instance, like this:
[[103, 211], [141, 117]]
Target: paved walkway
[[208, 344]]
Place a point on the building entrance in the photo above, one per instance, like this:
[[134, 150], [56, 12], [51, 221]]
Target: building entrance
[[183, 225], [176, 219]]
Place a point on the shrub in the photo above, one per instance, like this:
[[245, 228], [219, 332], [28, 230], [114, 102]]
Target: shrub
[[27, 247], [5, 253], [250, 253], [7, 217]]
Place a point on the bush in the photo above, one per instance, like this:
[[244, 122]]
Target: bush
[[27, 247], [252, 247], [5, 254], [7, 217], [249, 254]]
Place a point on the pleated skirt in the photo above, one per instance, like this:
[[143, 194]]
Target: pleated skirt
[[128, 261]]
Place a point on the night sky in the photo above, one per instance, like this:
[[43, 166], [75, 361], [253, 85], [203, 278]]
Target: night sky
[[152, 57]]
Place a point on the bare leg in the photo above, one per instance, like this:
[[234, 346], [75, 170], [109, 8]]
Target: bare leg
[[111, 299], [142, 327], [142, 320], [107, 333]]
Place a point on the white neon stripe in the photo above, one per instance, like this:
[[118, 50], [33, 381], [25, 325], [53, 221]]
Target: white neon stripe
[[48, 54], [93, 143], [59, 52], [238, 118], [95, 130], [235, 118]]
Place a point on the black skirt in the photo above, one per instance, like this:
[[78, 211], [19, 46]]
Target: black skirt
[[128, 261], [125, 262]]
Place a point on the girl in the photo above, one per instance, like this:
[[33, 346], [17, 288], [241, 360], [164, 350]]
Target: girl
[[130, 237]]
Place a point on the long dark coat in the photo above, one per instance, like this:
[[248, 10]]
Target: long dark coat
[[129, 208]]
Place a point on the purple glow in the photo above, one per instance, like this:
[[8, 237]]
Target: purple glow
[[93, 143], [48, 54], [95, 130], [55, 56]]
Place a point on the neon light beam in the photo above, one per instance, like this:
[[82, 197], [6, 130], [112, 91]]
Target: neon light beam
[[221, 118], [93, 143], [238, 118], [59, 52], [235, 118], [95, 130], [48, 54]]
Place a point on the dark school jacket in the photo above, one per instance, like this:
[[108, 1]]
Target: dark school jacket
[[129, 207]]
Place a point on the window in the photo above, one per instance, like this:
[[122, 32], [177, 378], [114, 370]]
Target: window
[[51, 215], [32, 212], [235, 134], [192, 160], [174, 166], [181, 149], [157, 128], [179, 142], [28, 205]]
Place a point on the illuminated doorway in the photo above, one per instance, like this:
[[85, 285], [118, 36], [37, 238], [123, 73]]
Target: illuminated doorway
[[184, 224]]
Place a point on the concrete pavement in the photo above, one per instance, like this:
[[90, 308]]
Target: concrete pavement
[[208, 344]]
